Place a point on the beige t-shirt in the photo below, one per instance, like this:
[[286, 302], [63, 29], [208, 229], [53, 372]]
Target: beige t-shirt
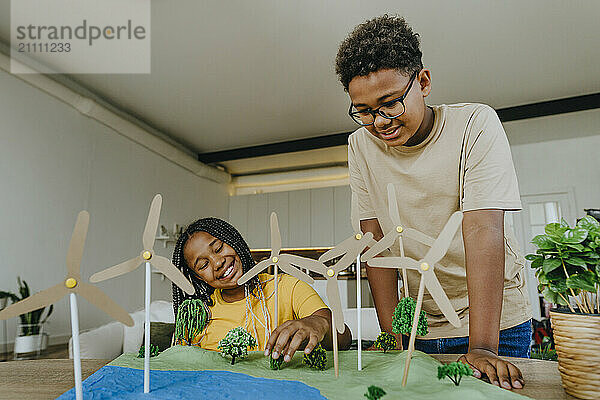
[[464, 164]]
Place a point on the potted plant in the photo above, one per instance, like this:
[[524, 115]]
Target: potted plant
[[567, 264], [30, 336]]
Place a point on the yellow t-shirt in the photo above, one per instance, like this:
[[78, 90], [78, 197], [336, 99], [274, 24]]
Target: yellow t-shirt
[[464, 164], [296, 300]]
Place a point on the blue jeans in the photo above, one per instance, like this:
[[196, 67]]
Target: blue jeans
[[514, 342]]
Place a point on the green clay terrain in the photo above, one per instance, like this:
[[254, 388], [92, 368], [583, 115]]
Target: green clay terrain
[[383, 370]]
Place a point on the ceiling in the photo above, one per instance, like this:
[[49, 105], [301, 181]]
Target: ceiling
[[238, 73]]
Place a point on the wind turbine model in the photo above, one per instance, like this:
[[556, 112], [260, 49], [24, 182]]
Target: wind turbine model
[[354, 219], [147, 256], [428, 279], [72, 286], [397, 232], [283, 261], [350, 249]]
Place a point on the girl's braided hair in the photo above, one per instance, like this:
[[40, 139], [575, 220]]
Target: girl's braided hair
[[224, 231]]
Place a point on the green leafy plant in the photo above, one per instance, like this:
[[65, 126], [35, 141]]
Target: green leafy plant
[[275, 364], [374, 393], [153, 351], [316, 359], [455, 371], [192, 317], [235, 344], [403, 318], [545, 350], [567, 263], [385, 341], [32, 320]]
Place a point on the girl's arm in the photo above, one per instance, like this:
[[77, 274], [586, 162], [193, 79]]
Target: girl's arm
[[306, 332]]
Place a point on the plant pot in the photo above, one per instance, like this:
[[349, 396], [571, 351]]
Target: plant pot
[[30, 341], [30, 344], [577, 340]]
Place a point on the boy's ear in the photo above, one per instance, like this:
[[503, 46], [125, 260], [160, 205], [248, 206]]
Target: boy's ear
[[424, 79]]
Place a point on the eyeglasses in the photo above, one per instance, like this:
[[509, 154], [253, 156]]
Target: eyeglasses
[[390, 109]]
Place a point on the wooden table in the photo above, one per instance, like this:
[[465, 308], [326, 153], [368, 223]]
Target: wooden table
[[48, 379]]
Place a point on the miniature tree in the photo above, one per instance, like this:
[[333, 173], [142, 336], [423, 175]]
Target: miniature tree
[[455, 371], [275, 364], [153, 351], [374, 393], [403, 318], [385, 341], [236, 343], [316, 359], [192, 317]]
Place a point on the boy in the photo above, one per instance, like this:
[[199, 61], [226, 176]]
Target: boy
[[441, 159]]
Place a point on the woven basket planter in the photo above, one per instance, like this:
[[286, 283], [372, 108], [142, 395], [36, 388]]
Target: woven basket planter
[[577, 340]]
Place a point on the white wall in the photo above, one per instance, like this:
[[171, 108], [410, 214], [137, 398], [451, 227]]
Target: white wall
[[559, 164], [55, 162], [307, 218]]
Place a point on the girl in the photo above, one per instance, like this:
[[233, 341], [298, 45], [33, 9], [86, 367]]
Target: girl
[[212, 254]]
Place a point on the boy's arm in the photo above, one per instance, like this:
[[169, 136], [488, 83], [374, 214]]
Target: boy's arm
[[383, 283], [483, 235]]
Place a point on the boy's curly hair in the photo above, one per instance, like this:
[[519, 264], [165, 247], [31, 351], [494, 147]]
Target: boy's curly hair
[[385, 42]]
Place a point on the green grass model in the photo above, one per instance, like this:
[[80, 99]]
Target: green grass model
[[235, 344], [374, 393], [316, 359], [403, 318], [385, 341], [455, 371]]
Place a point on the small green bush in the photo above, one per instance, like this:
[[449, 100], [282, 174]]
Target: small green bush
[[316, 359], [275, 364], [385, 341], [403, 318], [374, 393], [455, 371], [235, 344], [153, 351]]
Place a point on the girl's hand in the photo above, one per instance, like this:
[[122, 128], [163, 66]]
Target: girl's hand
[[290, 335], [499, 372]]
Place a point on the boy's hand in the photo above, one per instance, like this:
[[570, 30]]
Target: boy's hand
[[499, 372], [290, 335]]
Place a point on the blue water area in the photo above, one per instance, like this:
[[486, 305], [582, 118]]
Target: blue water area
[[112, 382]]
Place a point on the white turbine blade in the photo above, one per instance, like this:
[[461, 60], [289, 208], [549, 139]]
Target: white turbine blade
[[165, 266], [441, 299], [418, 236], [306, 263], [394, 262], [393, 204], [252, 272], [275, 236], [443, 241], [380, 246], [339, 250], [295, 272], [333, 295], [35, 302], [117, 270], [354, 248], [98, 298], [152, 223], [75, 252]]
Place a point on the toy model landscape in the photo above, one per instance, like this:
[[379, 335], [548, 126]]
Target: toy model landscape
[[187, 371]]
